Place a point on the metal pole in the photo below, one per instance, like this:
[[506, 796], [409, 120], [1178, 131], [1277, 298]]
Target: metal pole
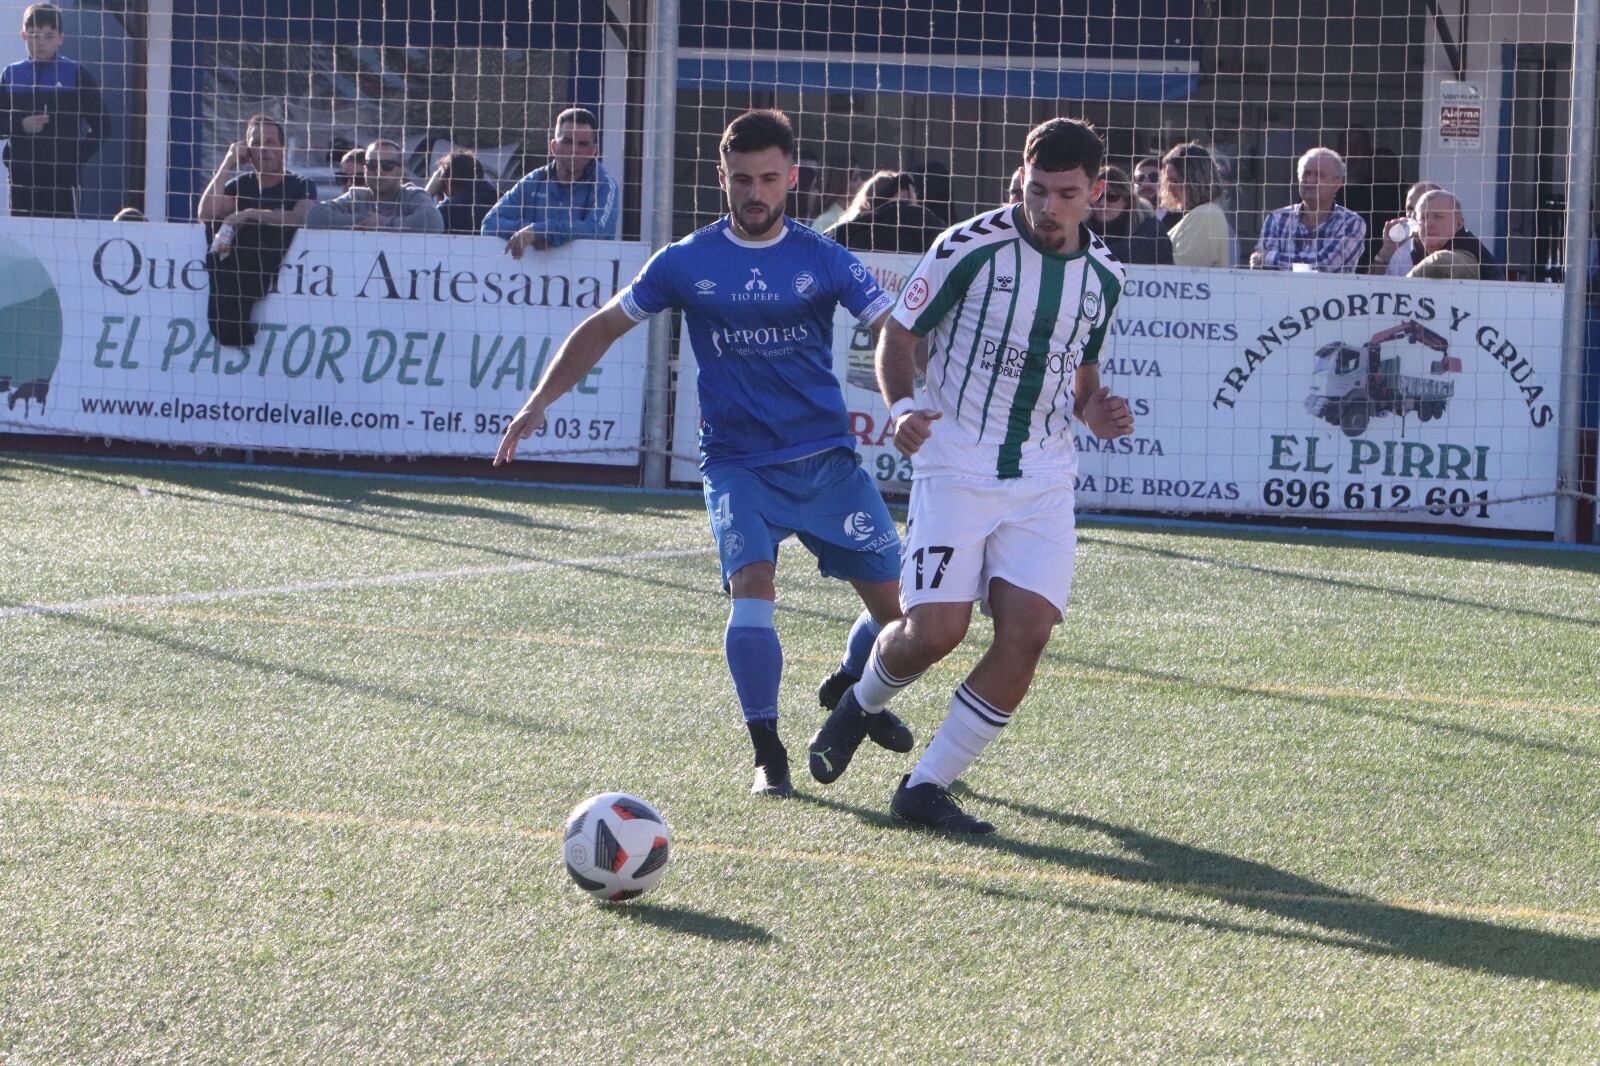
[[1580, 187], [663, 121], [158, 108]]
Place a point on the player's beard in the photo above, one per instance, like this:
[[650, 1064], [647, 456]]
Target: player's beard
[[1051, 235], [768, 220]]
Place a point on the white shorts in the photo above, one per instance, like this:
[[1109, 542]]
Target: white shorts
[[962, 534]]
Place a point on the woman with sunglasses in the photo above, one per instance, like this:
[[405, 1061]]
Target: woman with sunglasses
[[1126, 223]]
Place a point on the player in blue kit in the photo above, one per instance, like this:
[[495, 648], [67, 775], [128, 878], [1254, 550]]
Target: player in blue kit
[[777, 456]]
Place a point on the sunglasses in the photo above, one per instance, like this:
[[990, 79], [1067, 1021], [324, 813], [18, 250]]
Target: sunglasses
[[1116, 198], [1148, 175], [381, 164]]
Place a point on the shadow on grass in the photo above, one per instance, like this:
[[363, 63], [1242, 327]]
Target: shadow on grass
[[1360, 923], [694, 923], [1336, 705], [1350, 921], [427, 701], [300, 508], [1577, 562]]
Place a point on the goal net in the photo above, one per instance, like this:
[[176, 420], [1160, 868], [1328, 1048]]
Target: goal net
[[410, 228]]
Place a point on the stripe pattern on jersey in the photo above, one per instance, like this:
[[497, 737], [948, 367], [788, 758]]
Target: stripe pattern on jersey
[[1007, 325]]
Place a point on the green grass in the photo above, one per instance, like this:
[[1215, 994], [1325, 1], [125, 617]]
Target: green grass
[[1273, 797]]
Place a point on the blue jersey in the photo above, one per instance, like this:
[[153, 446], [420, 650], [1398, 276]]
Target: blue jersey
[[760, 320]]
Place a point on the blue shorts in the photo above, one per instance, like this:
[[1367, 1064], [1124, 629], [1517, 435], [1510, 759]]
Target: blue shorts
[[826, 500]]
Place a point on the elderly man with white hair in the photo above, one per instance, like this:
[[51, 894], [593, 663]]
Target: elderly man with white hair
[[1316, 233], [1441, 228]]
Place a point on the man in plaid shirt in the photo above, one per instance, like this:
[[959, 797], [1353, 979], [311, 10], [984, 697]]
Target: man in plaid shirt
[[1315, 232]]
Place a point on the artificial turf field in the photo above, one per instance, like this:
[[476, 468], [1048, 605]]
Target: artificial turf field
[[284, 764]]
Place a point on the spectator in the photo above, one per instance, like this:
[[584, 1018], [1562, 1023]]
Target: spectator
[[839, 180], [572, 197], [51, 117], [1147, 182], [463, 190], [128, 214], [1316, 232], [1394, 257], [885, 216], [1452, 266], [1441, 227], [386, 202], [1014, 188], [1126, 223], [251, 220], [348, 172], [267, 193], [877, 190], [1191, 183]]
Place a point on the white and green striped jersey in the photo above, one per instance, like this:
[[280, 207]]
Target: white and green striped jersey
[[1007, 325]]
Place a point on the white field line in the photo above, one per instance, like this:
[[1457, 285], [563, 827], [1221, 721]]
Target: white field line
[[889, 864], [373, 581]]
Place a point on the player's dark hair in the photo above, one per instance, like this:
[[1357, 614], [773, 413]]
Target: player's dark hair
[[756, 130], [1064, 144], [265, 120], [578, 116], [42, 17]]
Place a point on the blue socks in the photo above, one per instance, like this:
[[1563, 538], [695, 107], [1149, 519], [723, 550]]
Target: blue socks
[[755, 658], [862, 636]]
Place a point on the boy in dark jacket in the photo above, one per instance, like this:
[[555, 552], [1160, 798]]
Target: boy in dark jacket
[[51, 117]]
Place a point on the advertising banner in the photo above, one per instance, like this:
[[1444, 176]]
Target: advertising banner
[[372, 344], [1336, 396]]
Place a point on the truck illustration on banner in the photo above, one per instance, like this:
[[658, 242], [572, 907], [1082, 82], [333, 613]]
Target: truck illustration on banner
[[1351, 386]]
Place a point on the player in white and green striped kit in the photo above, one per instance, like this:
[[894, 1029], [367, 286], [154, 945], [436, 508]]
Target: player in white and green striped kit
[[1015, 305]]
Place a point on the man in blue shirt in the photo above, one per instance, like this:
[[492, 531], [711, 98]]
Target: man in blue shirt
[[572, 197], [777, 456], [1317, 233], [51, 119]]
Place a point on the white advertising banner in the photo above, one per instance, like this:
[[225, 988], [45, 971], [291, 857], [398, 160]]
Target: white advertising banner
[[374, 344], [1334, 396]]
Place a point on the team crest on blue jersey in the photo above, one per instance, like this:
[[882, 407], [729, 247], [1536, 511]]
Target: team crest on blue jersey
[[733, 544], [858, 271], [804, 283]]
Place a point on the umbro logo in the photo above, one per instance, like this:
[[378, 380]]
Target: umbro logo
[[706, 287]]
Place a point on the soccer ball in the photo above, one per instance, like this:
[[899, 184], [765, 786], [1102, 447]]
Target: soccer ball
[[615, 846]]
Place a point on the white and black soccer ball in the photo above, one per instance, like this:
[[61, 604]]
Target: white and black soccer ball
[[616, 846]]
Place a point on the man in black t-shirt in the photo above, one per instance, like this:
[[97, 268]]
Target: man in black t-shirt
[[250, 218], [267, 193]]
